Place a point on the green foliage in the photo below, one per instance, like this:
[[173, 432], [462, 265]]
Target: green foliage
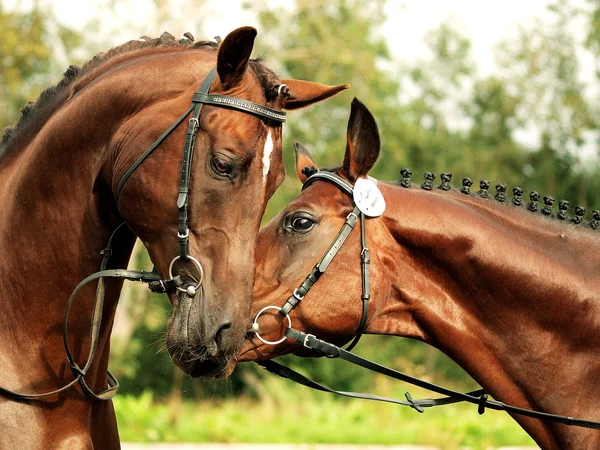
[[28, 47], [303, 416]]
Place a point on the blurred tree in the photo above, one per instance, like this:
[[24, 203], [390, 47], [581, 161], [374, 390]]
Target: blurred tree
[[29, 47], [541, 67], [440, 84], [332, 42]]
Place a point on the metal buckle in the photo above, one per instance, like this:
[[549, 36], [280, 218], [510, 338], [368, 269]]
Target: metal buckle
[[305, 341], [297, 296], [184, 236], [196, 123]]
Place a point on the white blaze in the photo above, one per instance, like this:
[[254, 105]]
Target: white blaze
[[266, 159]]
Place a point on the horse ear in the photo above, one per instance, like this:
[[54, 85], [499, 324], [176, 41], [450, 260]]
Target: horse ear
[[304, 162], [305, 93], [362, 142], [233, 56]]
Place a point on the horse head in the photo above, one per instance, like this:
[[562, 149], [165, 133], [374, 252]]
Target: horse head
[[291, 243], [495, 287], [236, 167]]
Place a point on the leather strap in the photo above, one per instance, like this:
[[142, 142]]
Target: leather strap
[[285, 372], [96, 321], [144, 155], [479, 397], [299, 293], [323, 263], [183, 231]]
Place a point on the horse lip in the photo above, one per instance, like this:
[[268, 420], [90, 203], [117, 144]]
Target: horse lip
[[212, 368]]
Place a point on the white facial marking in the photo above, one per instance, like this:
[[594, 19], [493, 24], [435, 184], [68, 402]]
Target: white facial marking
[[266, 159]]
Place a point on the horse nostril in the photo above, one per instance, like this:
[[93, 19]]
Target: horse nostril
[[221, 332]]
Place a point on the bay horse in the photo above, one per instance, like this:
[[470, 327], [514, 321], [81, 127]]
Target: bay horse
[[105, 146], [512, 297]]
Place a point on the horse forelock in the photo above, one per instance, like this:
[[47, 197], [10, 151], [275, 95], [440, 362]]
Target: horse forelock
[[75, 77]]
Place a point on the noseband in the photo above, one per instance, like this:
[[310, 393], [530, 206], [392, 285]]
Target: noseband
[[155, 284], [320, 268]]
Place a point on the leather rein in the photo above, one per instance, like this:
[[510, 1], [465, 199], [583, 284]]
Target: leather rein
[[310, 341], [155, 283]]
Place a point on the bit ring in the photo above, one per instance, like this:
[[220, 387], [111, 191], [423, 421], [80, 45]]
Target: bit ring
[[198, 265], [260, 338]]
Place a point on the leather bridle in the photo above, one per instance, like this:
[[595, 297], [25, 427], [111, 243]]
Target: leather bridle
[[320, 268], [155, 283], [311, 342]]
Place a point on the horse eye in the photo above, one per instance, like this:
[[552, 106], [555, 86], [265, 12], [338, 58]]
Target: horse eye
[[221, 165], [302, 224]]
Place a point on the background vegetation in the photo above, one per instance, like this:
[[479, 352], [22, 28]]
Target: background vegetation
[[534, 123]]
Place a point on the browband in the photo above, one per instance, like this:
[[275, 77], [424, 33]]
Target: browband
[[240, 104]]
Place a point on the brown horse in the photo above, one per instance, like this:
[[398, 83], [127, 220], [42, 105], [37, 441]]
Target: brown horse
[[511, 296], [61, 170]]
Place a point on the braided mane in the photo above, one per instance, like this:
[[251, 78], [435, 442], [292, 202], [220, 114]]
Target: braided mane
[[51, 97], [517, 197]]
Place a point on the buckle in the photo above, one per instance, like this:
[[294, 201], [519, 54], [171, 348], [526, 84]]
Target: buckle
[[297, 296], [306, 338], [195, 124], [185, 235]]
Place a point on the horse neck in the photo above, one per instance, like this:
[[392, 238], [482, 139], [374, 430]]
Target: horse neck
[[58, 213], [506, 294]]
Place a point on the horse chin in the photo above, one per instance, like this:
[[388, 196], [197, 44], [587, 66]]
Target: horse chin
[[213, 368]]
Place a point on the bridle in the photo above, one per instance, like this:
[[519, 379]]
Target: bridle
[[155, 283], [310, 341], [200, 98], [320, 268]]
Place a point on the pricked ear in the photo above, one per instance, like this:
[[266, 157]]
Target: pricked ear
[[304, 162], [233, 56], [305, 93], [362, 142]]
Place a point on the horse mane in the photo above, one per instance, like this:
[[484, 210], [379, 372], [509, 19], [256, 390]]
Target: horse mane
[[533, 205], [53, 97]]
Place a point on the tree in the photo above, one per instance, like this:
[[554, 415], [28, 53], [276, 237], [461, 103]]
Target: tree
[[28, 48], [541, 67]]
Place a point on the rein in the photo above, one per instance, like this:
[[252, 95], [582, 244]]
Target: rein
[[310, 341], [155, 283]]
